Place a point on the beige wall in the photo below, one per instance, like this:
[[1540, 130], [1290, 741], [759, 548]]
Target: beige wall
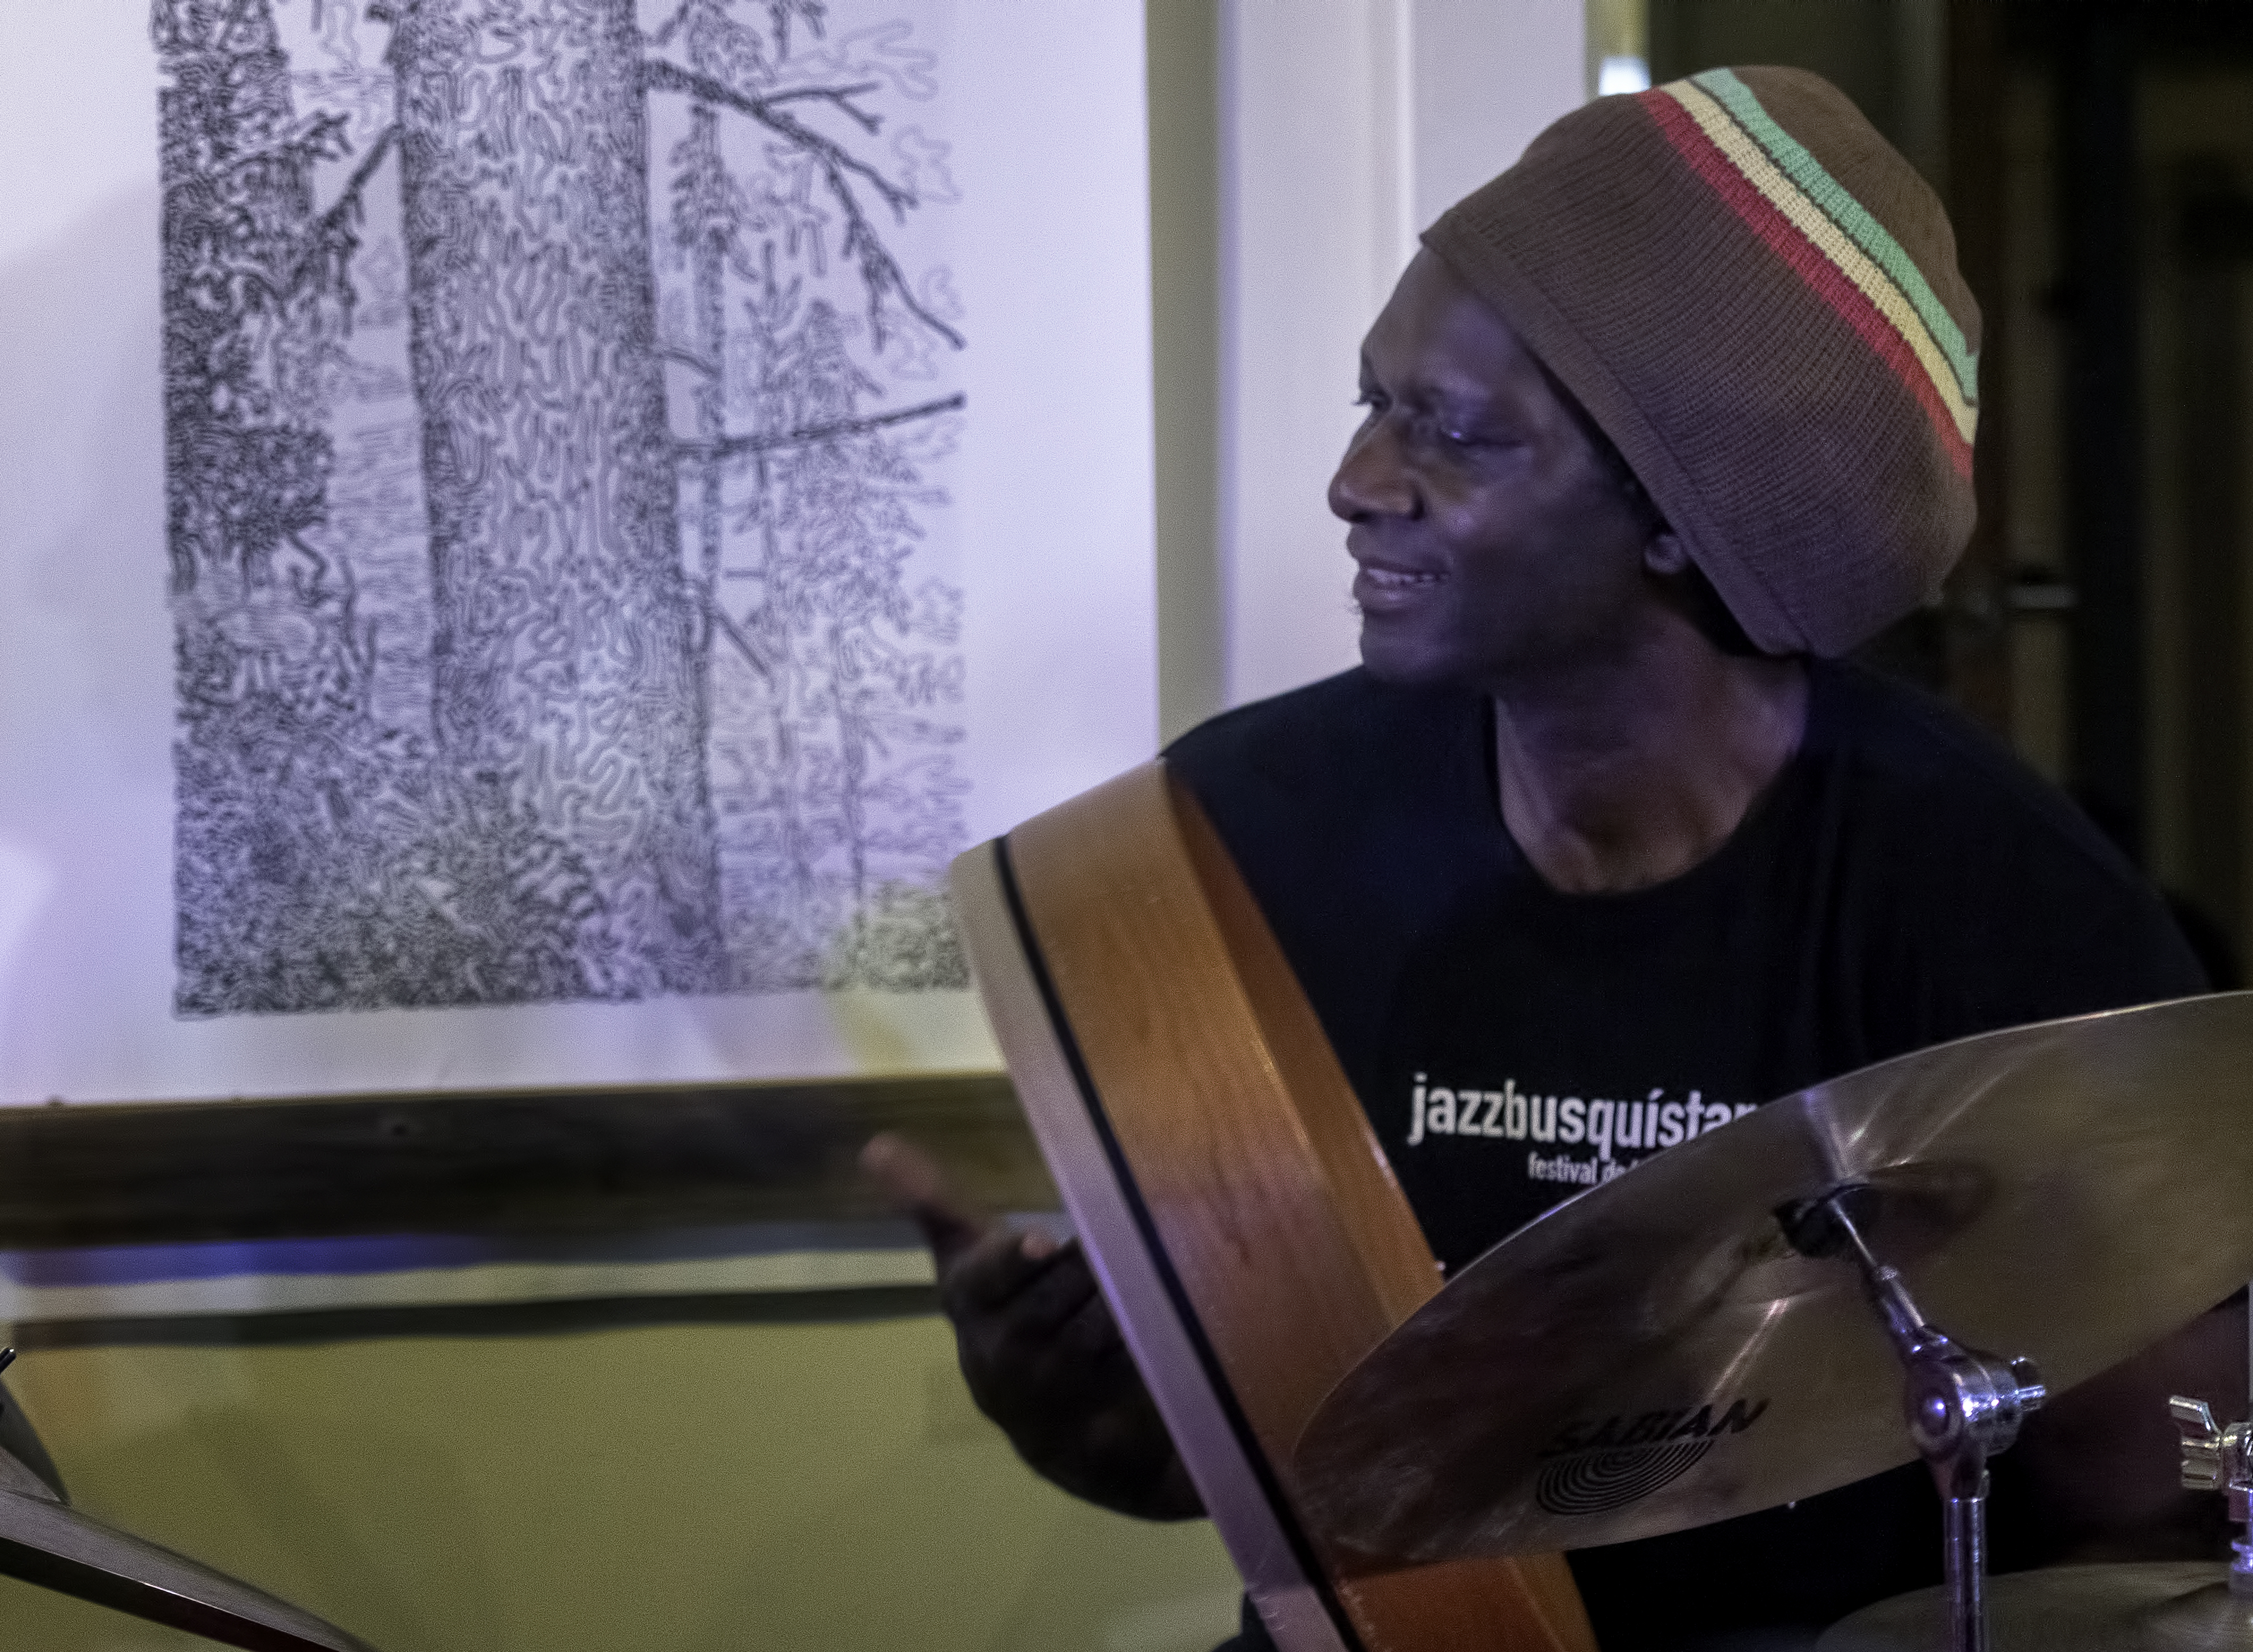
[[815, 1487]]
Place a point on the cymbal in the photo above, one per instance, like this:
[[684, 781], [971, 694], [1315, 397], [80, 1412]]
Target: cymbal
[[1653, 1355], [18, 1439], [45, 1543], [2184, 1606]]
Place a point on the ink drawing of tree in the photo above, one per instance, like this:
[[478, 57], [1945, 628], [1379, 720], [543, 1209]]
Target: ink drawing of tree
[[553, 425]]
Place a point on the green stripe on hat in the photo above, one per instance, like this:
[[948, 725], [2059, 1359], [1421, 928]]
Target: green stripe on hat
[[1797, 163]]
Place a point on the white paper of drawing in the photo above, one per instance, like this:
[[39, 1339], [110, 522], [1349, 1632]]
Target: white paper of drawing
[[535, 528]]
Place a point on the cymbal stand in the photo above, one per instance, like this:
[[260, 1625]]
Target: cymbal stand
[[2217, 1458], [1963, 1405]]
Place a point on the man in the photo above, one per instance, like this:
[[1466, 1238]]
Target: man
[[1660, 422]]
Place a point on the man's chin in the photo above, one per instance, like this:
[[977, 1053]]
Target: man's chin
[[1404, 666]]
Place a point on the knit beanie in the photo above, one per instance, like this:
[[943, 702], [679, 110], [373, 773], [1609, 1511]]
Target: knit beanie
[[1755, 298]]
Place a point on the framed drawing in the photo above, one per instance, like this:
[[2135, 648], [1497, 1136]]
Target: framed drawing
[[536, 528]]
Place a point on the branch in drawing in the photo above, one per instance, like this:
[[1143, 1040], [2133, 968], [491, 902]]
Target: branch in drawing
[[735, 447], [878, 269]]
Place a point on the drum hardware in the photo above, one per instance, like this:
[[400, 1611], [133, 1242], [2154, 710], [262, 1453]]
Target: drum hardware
[[2140, 1607], [1963, 1407], [1678, 1346], [2220, 1459]]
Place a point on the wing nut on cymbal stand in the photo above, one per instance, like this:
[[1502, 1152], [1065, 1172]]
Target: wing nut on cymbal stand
[[1963, 1405], [2219, 1459]]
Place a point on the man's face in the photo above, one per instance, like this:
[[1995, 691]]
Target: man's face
[[1492, 541]]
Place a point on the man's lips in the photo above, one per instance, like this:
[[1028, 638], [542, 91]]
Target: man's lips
[[1384, 587]]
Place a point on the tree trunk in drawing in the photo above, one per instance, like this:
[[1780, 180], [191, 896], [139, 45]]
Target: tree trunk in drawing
[[565, 664]]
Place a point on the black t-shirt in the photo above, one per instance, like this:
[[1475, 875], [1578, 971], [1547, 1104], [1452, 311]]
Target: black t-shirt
[[1903, 883]]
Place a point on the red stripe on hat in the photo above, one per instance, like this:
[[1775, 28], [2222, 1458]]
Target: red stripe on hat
[[1807, 261]]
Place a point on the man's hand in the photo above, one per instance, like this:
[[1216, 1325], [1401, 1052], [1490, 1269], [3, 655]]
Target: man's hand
[[1039, 1349]]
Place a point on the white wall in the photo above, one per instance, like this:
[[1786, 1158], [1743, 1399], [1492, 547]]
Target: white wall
[[1345, 126], [1488, 76]]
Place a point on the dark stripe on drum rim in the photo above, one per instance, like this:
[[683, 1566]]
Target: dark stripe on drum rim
[[1302, 1548]]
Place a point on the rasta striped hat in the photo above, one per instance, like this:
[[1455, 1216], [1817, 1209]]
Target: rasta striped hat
[[1755, 298]]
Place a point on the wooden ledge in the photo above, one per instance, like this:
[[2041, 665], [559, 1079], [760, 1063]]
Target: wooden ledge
[[582, 1160]]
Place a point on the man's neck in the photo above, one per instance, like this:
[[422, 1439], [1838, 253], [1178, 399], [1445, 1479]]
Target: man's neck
[[1628, 774]]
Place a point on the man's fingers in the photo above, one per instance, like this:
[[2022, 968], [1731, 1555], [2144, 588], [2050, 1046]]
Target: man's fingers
[[1048, 1289], [913, 1181], [1089, 1332], [1023, 1270]]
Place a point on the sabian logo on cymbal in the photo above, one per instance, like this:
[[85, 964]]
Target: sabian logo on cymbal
[[1592, 1466], [1653, 1427]]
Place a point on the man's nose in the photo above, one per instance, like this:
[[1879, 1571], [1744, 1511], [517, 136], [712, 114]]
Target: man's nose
[[1371, 479]]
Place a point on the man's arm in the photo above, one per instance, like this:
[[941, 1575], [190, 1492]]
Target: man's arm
[[1040, 1352]]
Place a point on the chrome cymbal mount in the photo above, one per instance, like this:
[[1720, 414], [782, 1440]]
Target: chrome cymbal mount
[[2220, 1459], [1961, 1405]]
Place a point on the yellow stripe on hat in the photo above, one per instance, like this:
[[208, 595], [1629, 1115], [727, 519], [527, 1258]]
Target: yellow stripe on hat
[[1839, 205], [1810, 220]]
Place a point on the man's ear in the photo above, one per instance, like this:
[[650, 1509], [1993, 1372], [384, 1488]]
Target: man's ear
[[1682, 584], [1664, 555]]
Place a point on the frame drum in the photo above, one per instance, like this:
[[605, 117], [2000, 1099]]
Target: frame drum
[[1236, 1207]]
